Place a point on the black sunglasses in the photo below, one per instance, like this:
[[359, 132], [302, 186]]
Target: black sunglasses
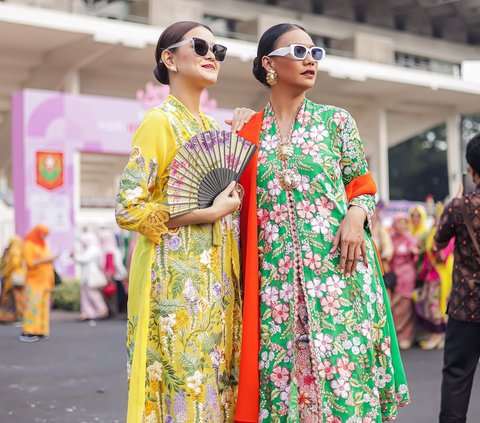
[[201, 48]]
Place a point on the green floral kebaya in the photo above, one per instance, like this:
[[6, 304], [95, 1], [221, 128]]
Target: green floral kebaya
[[328, 350]]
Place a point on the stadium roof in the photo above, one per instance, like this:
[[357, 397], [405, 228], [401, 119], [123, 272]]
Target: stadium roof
[[454, 20]]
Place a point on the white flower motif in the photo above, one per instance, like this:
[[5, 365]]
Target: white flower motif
[[298, 136], [168, 323], [335, 285], [286, 293], [270, 296], [270, 142], [274, 187], [340, 118], [320, 225], [195, 382], [381, 377], [206, 257], [133, 194], [323, 343], [271, 232], [304, 184], [366, 328], [314, 288], [155, 371], [318, 133], [341, 388], [152, 417]]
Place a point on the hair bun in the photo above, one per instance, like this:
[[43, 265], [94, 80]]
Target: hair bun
[[161, 73], [259, 72]]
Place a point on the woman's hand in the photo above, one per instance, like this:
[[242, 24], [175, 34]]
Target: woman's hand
[[45, 260], [351, 238], [241, 116], [226, 202]]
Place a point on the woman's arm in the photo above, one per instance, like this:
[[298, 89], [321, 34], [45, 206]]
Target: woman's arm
[[152, 151], [350, 235], [29, 257]]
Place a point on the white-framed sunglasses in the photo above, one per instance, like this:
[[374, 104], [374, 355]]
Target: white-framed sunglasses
[[201, 48], [299, 52]]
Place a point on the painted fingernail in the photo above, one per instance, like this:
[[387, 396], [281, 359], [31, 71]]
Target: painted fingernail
[[347, 275]]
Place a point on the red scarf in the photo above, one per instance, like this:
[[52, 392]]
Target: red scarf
[[247, 409]]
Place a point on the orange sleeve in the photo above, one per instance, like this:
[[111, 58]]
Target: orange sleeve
[[361, 185]]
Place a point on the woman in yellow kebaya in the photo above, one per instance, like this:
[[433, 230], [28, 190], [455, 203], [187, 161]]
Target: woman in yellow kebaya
[[184, 311]]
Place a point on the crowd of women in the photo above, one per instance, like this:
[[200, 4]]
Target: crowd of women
[[269, 305], [28, 278], [418, 275]]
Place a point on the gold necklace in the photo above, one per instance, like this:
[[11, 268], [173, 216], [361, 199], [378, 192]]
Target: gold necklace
[[289, 178]]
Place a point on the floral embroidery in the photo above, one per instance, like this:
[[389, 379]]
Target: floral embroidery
[[325, 353], [193, 323]]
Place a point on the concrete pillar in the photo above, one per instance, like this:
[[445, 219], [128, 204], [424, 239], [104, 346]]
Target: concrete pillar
[[72, 82], [165, 12], [454, 154], [383, 182]]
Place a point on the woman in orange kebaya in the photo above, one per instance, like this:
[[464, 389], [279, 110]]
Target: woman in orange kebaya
[[39, 283]]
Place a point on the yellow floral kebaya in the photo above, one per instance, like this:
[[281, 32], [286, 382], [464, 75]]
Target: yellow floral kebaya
[[184, 314]]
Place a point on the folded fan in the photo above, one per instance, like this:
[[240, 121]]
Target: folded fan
[[203, 168]]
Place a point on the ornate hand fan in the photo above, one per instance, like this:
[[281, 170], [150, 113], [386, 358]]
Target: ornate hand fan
[[203, 168]]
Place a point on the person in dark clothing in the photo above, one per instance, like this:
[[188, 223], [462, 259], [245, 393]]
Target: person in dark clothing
[[461, 219]]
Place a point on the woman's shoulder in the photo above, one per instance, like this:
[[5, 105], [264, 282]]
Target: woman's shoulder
[[156, 115], [155, 121], [325, 108], [328, 111]]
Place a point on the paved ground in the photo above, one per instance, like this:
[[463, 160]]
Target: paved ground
[[78, 376]]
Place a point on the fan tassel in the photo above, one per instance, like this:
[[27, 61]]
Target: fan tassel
[[217, 233]]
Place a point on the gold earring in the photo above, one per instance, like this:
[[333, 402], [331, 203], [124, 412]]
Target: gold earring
[[272, 77]]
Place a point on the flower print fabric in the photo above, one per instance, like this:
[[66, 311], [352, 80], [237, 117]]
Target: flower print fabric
[[184, 313], [326, 350]]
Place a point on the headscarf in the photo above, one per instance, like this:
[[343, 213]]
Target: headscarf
[[108, 241], [421, 229], [37, 235], [14, 247], [88, 240], [397, 218]]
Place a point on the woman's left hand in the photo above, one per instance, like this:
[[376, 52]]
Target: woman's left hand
[[241, 116], [351, 239]]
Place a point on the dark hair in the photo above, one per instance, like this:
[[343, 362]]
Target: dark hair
[[171, 35], [473, 153], [267, 44]]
